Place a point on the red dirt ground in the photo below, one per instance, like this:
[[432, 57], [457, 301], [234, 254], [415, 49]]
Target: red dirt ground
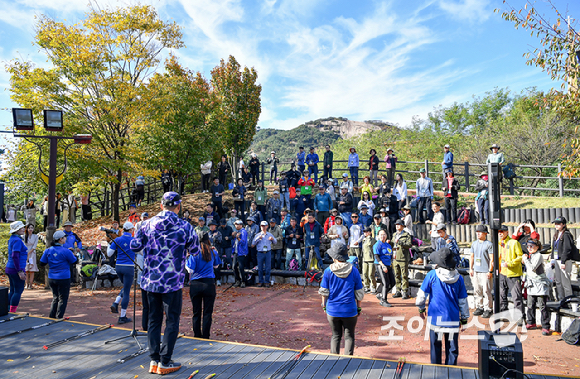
[[284, 316]]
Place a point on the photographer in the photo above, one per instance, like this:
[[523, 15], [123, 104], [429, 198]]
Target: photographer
[[165, 241], [125, 269], [525, 232]]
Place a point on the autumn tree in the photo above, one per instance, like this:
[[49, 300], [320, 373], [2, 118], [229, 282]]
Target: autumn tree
[[99, 69], [239, 107], [557, 56]]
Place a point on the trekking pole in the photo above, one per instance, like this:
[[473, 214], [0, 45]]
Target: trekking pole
[[33, 328], [287, 367], [139, 352], [193, 374], [14, 318], [80, 335]]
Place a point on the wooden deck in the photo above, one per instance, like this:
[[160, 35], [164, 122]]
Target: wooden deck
[[23, 356]]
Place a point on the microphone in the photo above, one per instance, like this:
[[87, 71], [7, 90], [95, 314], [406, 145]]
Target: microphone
[[103, 229]]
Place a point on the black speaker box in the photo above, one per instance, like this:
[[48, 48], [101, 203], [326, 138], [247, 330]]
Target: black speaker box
[[495, 358]]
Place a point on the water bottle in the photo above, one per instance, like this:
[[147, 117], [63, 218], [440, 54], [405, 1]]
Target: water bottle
[[272, 281]]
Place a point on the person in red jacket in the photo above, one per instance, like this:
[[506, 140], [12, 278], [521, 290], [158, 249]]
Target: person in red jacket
[[524, 232], [330, 220]]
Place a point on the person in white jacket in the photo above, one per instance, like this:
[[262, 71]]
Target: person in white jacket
[[206, 175]]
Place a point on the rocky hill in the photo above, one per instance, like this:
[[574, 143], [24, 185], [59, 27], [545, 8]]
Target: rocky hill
[[347, 128]]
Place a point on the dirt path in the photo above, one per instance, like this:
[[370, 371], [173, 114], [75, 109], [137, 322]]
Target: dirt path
[[284, 316]]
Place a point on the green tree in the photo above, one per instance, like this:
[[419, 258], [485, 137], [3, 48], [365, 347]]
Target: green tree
[[238, 96], [99, 73]]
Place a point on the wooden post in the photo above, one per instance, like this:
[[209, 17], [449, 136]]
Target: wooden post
[[560, 180], [466, 173]]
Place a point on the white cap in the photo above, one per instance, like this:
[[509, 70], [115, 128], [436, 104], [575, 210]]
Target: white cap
[[16, 226], [264, 223], [128, 225], [58, 235]]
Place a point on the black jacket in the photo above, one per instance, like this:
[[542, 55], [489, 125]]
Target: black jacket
[[454, 188], [254, 165], [392, 203], [298, 232], [347, 206], [566, 248], [328, 158]]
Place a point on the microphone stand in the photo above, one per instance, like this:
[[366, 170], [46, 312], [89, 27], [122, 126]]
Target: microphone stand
[[134, 333]]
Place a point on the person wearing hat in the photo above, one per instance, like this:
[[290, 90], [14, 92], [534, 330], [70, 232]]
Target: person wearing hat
[[510, 274], [424, 190], [538, 286], [322, 205], [448, 306], [377, 226], [328, 162], [273, 161], [564, 253], [447, 163], [408, 219], [437, 219], [312, 233], [59, 259], [368, 261], [205, 175], [345, 204], [260, 198], [254, 167], [16, 265], [133, 215], [346, 182], [201, 227], [330, 190], [276, 231], [293, 235], [284, 219], [125, 268], [364, 217], [481, 272], [240, 259], [391, 165], [255, 213], [233, 218], [284, 187], [201, 268], [215, 236], [263, 242], [342, 292], [451, 188], [383, 253], [373, 167], [300, 158], [338, 232], [495, 156], [385, 219], [402, 242], [448, 241], [330, 221], [482, 198], [274, 206], [353, 164], [144, 217], [165, 241], [306, 183], [252, 228], [239, 195], [166, 180], [312, 161]]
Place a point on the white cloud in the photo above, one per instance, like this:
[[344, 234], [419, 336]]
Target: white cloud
[[467, 10]]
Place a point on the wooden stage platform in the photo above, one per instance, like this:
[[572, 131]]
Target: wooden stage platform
[[23, 356]]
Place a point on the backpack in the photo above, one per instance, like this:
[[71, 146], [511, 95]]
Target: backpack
[[312, 276], [464, 215], [508, 171], [88, 270], [572, 335], [293, 265], [292, 192]]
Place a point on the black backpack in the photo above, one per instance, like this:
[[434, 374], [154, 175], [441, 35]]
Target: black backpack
[[572, 334], [508, 171]]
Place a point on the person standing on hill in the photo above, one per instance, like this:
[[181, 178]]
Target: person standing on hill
[[447, 163], [254, 168], [312, 160], [273, 162], [564, 253], [284, 190], [260, 197], [482, 198], [328, 161], [345, 205], [373, 167], [206, 175], [239, 194], [451, 188], [322, 205], [166, 180], [353, 164], [425, 194], [391, 164], [224, 169], [217, 192], [300, 158], [306, 183]]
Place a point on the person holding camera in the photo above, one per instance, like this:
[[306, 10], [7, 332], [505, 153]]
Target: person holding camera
[[525, 232]]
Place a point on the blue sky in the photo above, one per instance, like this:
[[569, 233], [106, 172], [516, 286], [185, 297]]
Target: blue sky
[[387, 60]]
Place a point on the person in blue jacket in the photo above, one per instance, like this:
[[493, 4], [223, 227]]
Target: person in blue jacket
[[342, 293], [72, 239], [240, 254], [58, 258], [448, 306], [16, 265], [298, 204], [364, 217], [125, 270], [353, 164], [383, 253], [202, 290], [300, 158], [447, 163], [312, 160], [312, 233], [322, 205]]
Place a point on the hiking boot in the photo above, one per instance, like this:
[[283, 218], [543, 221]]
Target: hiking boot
[[168, 368], [398, 294], [115, 308], [546, 332], [124, 320], [406, 295], [385, 303], [236, 284], [487, 314], [153, 367], [243, 285], [478, 312]]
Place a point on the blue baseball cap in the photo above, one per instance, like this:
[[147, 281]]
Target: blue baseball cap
[[171, 199]]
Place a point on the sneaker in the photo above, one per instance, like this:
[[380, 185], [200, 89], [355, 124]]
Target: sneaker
[[521, 322], [546, 332], [406, 296], [219, 283], [373, 290], [367, 290], [243, 285], [385, 303], [487, 314], [478, 312], [115, 308], [153, 367], [398, 294], [236, 284], [255, 268], [531, 326], [124, 320], [168, 368], [379, 296]]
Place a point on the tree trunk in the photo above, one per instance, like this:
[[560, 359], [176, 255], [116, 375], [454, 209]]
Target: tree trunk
[[115, 198]]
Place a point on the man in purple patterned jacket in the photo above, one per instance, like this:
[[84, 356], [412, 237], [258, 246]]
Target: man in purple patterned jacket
[[165, 241]]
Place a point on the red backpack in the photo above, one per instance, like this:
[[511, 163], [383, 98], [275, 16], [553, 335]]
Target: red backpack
[[292, 192], [464, 215]]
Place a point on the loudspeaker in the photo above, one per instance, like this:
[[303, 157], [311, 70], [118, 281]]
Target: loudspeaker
[[495, 358], [3, 301]]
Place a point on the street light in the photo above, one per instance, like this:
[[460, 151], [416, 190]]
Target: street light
[[23, 119], [53, 120]]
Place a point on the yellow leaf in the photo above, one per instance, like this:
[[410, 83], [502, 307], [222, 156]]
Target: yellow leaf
[[10, 360]]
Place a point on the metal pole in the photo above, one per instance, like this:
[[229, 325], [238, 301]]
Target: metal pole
[[496, 268], [51, 190], [466, 173], [426, 167], [560, 180]]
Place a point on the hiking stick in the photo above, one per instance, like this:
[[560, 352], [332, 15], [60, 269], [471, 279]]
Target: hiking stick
[[14, 318], [193, 374], [287, 367], [400, 365], [80, 335], [33, 328]]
